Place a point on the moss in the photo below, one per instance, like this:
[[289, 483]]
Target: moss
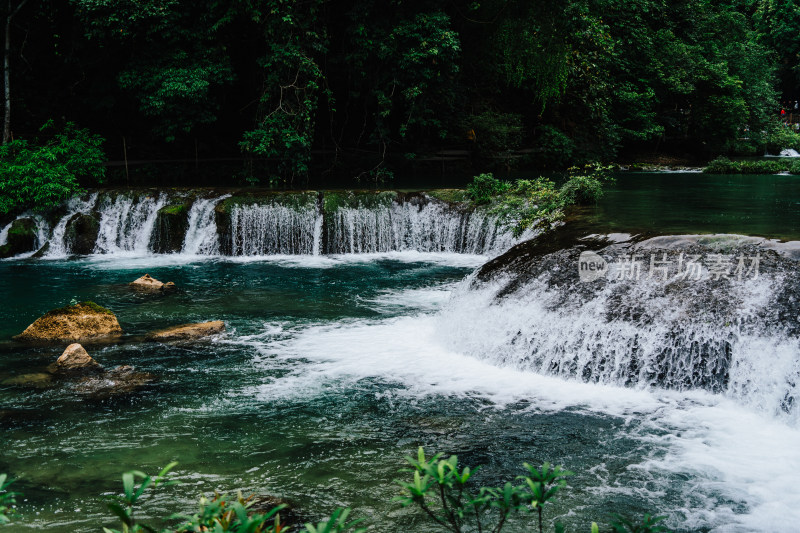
[[453, 196], [97, 308], [22, 227], [333, 201], [175, 209], [78, 308], [294, 200]]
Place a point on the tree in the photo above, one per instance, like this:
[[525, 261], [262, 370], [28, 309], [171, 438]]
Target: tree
[[10, 14]]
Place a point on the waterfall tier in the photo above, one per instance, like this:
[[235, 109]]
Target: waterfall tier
[[717, 313], [268, 223]]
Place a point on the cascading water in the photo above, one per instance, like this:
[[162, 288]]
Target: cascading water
[[58, 245], [302, 223], [201, 235], [273, 229], [127, 221], [738, 335], [4, 233], [426, 227]]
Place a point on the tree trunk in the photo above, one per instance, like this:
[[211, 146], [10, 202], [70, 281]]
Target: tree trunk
[[7, 78], [7, 71]]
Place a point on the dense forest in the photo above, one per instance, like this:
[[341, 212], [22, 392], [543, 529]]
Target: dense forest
[[293, 88]]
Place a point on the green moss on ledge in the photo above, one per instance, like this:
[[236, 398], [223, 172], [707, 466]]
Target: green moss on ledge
[[452, 196]]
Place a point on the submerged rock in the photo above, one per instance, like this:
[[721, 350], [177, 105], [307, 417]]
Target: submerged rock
[[147, 283], [81, 233], [120, 380], [187, 332], [80, 322], [21, 238], [36, 380]]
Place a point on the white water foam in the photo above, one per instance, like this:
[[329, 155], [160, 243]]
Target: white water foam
[[273, 229], [432, 227], [127, 222], [4, 233], [739, 462], [75, 205], [201, 235]]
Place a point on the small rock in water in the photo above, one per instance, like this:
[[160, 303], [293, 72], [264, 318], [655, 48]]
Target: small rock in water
[[187, 332], [147, 283], [75, 357]]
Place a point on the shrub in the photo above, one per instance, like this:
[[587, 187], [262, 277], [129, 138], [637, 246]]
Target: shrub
[[723, 165], [7, 500], [42, 174], [538, 203], [438, 487], [484, 188]]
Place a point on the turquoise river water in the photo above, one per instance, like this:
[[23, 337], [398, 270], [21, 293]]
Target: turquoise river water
[[334, 368]]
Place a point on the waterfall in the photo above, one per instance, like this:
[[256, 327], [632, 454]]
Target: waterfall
[[201, 236], [75, 205], [268, 223], [4, 233], [731, 336], [273, 229], [126, 222], [426, 227]]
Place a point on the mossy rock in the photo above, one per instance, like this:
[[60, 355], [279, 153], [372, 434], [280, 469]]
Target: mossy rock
[[335, 200], [169, 232], [80, 322], [80, 234], [21, 238]]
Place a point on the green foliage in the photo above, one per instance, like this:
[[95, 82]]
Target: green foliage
[[337, 523], [484, 187], [556, 148], [724, 165], [223, 514], [538, 203], [44, 173], [123, 506], [497, 133], [648, 524], [585, 185], [174, 90], [7, 499], [442, 491], [439, 487]]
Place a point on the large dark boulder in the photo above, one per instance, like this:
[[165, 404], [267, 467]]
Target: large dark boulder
[[172, 221], [21, 238], [80, 234]]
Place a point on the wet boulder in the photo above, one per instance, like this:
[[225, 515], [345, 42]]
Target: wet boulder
[[74, 359], [21, 238], [80, 234], [147, 283], [187, 332], [79, 322], [172, 222]]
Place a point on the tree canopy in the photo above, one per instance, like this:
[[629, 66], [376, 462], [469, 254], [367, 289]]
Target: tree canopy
[[368, 85]]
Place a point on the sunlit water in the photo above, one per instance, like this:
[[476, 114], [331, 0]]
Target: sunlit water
[[333, 369]]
